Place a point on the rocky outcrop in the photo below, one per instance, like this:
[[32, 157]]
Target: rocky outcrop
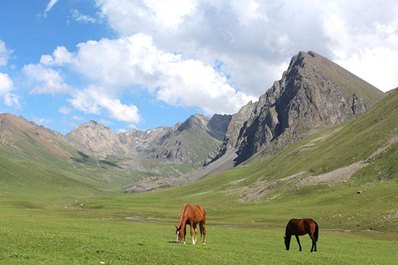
[[313, 93], [189, 142], [97, 140]]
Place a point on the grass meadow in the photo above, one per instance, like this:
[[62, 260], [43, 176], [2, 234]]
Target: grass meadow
[[91, 231], [59, 215]]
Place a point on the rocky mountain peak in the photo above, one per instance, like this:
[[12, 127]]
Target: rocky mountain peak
[[313, 93], [95, 139], [187, 142], [197, 121]]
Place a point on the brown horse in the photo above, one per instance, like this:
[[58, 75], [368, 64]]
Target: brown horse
[[299, 227], [192, 215]]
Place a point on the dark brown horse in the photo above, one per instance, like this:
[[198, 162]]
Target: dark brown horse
[[192, 215], [299, 227]]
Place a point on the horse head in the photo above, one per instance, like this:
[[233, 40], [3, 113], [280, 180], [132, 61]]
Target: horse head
[[287, 242], [179, 233]]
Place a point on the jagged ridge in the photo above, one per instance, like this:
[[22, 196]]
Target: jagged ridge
[[313, 93]]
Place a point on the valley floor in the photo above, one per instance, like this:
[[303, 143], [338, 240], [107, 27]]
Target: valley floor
[[31, 234]]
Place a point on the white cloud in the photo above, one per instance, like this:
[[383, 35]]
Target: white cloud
[[192, 83], [50, 5], [91, 101], [213, 55], [4, 53], [133, 16], [60, 56], [125, 64], [367, 49], [45, 80], [253, 38], [6, 91], [170, 14], [79, 17], [6, 83], [135, 60]]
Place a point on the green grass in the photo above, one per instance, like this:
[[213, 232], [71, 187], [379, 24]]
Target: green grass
[[38, 238]]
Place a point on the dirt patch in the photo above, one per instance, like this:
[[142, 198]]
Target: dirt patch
[[345, 173], [263, 187], [336, 176]]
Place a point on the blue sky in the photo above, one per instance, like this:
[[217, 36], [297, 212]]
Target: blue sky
[[145, 63]]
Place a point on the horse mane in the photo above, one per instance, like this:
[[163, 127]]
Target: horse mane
[[180, 224]]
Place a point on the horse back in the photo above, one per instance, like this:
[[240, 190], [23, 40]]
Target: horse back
[[196, 212], [301, 226]]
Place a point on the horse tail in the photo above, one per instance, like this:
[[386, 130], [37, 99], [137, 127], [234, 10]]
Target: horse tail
[[316, 233]]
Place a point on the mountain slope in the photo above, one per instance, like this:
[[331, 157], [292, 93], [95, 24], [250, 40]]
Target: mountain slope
[[345, 177], [189, 142], [313, 93], [34, 159], [94, 157], [16, 132]]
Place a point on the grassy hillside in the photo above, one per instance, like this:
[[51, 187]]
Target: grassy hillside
[[67, 221], [269, 191]]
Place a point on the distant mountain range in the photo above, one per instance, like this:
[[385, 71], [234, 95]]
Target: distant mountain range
[[313, 93]]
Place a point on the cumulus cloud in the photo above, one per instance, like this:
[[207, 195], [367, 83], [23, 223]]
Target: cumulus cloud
[[60, 56], [45, 80], [366, 48], [91, 101], [133, 16], [6, 83], [135, 60], [213, 55], [113, 67], [47, 76], [6, 91], [256, 39]]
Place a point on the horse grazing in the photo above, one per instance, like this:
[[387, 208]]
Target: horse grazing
[[299, 227], [192, 215]]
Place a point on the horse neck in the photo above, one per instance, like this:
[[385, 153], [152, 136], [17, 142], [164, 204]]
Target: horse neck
[[183, 217], [288, 233]]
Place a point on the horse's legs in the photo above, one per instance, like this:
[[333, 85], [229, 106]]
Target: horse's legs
[[185, 231], [313, 247], [298, 241], [192, 232], [203, 229], [196, 233]]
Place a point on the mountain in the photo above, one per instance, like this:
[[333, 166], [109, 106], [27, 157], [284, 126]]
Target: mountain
[[97, 140], [313, 93], [34, 159], [189, 142], [95, 157], [18, 133], [344, 176]]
